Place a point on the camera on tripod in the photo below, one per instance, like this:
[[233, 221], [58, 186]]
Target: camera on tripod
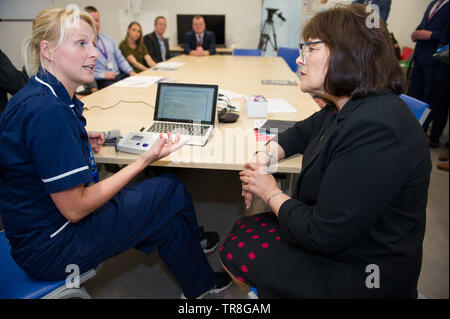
[[269, 29], [271, 12]]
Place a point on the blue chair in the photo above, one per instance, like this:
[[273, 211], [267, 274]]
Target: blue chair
[[253, 293], [420, 109], [290, 56], [16, 284], [248, 52]]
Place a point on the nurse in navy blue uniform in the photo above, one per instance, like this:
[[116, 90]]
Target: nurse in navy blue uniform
[[54, 210]]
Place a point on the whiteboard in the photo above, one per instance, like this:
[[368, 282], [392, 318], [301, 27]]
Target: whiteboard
[[22, 9]]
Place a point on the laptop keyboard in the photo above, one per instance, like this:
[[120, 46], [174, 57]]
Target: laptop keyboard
[[182, 128]]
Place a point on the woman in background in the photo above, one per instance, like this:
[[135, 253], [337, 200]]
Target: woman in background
[[134, 50]]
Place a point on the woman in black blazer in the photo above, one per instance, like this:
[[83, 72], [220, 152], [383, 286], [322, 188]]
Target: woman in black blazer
[[355, 226]]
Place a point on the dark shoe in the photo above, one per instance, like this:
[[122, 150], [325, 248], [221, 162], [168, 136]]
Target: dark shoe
[[432, 144], [223, 282], [444, 155], [209, 241], [443, 166]]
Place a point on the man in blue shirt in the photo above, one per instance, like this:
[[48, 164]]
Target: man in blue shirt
[[111, 65]]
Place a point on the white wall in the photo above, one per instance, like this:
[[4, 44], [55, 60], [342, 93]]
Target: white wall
[[404, 18], [287, 32], [243, 19]]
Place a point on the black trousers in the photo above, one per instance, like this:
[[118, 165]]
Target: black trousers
[[439, 107]]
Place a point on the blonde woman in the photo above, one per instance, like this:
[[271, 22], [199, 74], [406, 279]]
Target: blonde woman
[[134, 50], [54, 210]]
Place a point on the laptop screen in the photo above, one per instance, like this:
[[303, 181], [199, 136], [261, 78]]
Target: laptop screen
[[189, 103]]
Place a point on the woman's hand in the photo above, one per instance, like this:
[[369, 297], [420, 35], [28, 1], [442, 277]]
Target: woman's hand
[[96, 139], [164, 147], [256, 181]]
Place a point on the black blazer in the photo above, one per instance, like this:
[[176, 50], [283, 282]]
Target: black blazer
[[11, 79], [426, 48], [208, 42], [153, 47], [360, 201]]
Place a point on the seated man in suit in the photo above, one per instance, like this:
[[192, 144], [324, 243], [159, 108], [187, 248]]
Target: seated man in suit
[[199, 41], [156, 44]]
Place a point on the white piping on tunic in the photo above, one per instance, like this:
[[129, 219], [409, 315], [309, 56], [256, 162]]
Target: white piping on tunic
[[61, 228], [46, 84], [76, 170], [51, 179]]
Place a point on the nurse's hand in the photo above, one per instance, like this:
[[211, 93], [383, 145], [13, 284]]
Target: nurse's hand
[[96, 139], [164, 147]]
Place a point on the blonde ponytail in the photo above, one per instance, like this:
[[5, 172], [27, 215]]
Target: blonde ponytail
[[51, 24]]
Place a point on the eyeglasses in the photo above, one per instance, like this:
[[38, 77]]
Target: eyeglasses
[[303, 49]]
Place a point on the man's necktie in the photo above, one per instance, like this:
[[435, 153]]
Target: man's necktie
[[436, 9]]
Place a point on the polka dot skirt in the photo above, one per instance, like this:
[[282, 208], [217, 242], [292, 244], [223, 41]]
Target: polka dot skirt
[[250, 238]]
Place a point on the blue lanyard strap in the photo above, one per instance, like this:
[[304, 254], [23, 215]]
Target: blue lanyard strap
[[92, 165], [105, 53]]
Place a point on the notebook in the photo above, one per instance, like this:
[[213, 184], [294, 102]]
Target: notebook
[[188, 109]]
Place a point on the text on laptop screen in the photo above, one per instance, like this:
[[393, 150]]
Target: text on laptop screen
[[185, 103]]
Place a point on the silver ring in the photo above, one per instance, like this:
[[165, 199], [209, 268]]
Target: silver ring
[[244, 180]]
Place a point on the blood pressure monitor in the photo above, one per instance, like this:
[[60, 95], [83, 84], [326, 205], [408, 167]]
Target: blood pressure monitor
[[137, 142]]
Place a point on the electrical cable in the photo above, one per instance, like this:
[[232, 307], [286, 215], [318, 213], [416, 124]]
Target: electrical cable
[[111, 106]]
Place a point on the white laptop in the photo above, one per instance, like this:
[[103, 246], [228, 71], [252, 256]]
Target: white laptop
[[188, 109]]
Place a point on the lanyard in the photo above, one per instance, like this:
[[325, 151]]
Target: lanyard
[[92, 164], [105, 53]]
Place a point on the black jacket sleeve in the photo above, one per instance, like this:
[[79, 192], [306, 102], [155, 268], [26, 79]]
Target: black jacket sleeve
[[296, 139], [11, 79], [356, 188]]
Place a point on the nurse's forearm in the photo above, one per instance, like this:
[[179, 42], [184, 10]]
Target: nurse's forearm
[[78, 202]]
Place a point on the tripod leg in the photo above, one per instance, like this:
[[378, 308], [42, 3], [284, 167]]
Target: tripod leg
[[275, 47], [263, 38]]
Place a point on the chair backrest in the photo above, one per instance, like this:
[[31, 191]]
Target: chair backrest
[[420, 109], [406, 53], [248, 52], [290, 55]]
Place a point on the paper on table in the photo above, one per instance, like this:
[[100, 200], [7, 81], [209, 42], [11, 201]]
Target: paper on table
[[138, 81], [169, 65], [279, 106]]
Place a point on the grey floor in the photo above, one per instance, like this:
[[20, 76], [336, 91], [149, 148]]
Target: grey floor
[[217, 200]]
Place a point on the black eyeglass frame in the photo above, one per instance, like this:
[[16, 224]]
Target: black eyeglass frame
[[301, 45]]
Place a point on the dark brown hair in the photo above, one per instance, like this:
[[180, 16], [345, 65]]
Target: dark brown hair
[[362, 58], [159, 17], [90, 9], [140, 41]]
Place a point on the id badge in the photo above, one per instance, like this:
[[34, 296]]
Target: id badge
[[109, 65]]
